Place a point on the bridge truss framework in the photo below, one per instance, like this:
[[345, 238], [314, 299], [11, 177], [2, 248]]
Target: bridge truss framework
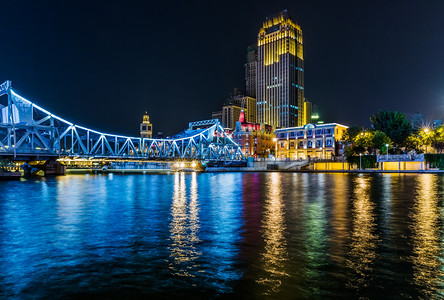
[[27, 129]]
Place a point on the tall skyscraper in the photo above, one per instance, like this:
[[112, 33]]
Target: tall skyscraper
[[250, 71], [280, 72]]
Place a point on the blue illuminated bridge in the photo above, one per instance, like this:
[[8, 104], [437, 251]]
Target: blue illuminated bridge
[[28, 130]]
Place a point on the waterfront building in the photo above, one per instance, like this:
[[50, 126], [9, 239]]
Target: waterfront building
[[146, 128], [280, 72], [320, 141], [250, 71], [255, 139]]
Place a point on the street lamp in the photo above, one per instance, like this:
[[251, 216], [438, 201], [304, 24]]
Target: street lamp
[[426, 131], [275, 147], [360, 161], [387, 149]]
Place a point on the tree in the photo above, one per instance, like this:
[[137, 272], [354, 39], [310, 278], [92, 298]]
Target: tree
[[363, 142], [380, 140], [437, 138], [394, 124], [351, 133], [414, 142]]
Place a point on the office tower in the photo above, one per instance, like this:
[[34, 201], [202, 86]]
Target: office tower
[[418, 121], [307, 112], [280, 72], [250, 71], [230, 115]]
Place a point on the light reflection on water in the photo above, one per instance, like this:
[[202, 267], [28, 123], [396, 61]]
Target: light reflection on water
[[273, 227], [184, 227], [427, 238], [252, 235]]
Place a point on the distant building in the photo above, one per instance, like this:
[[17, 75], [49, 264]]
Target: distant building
[[280, 72], [307, 112], [248, 104], [436, 123], [254, 139], [310, 141], [230, 115], [232, 108], [146, 128], [418, 121], [217, 115], [250, 71]]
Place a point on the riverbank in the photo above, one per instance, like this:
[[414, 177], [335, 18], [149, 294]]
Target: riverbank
[[252, 169]]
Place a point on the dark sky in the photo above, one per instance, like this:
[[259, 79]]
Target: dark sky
[[102, 64]]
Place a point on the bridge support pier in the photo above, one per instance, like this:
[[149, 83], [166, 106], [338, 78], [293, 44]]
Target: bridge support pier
[[50, 167], [53, 167]]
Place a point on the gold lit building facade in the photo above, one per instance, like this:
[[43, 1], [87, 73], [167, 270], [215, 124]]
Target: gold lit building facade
[[146, 128], [320, 141], [280, 72]]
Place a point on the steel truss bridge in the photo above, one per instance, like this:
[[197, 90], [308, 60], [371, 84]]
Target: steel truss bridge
[[27, 130]]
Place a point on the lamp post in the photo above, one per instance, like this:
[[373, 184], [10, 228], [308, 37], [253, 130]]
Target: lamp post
[[426, 130], [387, 147], [275, 148], [360, 161]]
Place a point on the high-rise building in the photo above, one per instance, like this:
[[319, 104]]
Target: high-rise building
[[436, 123], [146, 128], [418, 121], [248, 104], [250, 71], [217, 115], [307, 112], [280, 72], [230, 115]]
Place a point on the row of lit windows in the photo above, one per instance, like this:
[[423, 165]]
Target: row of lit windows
[[309, 144], [309, 133], [295, 85]]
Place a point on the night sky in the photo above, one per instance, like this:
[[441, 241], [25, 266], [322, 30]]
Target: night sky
[[102, 64]]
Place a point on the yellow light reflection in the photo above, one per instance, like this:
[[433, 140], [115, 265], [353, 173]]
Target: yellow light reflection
[[364, 238], [426, 237], [339, 220], [275, 253], [184, 227]]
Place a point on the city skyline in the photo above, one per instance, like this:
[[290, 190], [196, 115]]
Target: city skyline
[[114, 67]]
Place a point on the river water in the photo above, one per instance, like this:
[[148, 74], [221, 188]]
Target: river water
[[225, 235]]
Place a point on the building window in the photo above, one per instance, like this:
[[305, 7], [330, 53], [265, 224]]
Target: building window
[[301, 145], [149, 127], [291, 144], [283, 145], [318, 131], [310, 133], [318, 144], [329, 142], [143, 127], [309, 144]]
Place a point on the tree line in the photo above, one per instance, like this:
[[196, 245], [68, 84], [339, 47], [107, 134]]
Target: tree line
[[392, 132]]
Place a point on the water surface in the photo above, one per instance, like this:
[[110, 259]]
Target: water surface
[[243, 235]]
